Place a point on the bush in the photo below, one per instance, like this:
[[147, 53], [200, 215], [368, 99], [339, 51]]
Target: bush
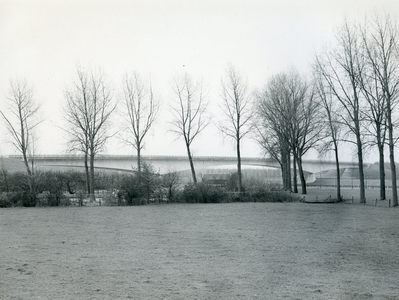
[[130, 190], [191, 194], [204, 193], [5, 201], [66, 188], [255, 191], [19, 191], [261, 191], [213, 194], [140, 188]]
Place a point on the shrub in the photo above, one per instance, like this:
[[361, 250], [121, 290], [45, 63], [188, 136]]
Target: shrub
[[191, 194], [204, 193], [5, 200], [130, 190], [19, 190], [261, 191], [141, 187]]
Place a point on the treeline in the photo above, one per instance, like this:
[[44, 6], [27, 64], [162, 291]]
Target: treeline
[[66, 188], [351, 97]]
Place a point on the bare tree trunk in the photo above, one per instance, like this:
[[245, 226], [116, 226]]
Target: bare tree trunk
[[92, 196], [239, 169], [382, 175], [381, 164], [30, 178], [190, 159], [139, 157], [301, 175], [87, 173], [295, 174], [361, 170], [289, 178], [286, 159], [26, 162], [285, 170], [392, 158], [338, 171]]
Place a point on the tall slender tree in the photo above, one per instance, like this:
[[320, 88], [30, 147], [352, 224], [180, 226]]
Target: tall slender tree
[[381, 50], [376, 110], [332, 125], [189, 114], [340, 69], [21, 123], [237, 111]]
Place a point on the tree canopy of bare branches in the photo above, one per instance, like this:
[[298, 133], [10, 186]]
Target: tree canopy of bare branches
[[141, 110], [189, 114], [87, 112]]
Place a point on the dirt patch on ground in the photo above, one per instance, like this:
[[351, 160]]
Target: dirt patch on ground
[[208, 251]]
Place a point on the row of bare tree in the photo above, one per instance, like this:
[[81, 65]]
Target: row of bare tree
[[351, 97], [89, 105], [362, 75]]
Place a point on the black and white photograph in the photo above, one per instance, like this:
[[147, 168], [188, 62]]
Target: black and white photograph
[[198, 149]]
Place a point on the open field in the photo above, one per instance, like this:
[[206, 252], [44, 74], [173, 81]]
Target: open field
[[200, 251]]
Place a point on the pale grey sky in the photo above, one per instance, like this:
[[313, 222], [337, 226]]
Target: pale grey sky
[[44, 42]]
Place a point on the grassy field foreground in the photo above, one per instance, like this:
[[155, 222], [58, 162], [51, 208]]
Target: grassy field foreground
[[200, 251]]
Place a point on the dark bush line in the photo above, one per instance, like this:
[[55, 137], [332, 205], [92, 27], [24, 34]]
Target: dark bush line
[[146, 187]]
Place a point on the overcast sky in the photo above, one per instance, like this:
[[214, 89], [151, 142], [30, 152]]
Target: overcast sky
[[45, 41]]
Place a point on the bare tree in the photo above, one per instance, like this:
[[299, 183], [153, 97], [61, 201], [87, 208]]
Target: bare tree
[[309, 128], [237, 111], [340, 69], [380, 84], [272, 124], [376, 112], [171, 182], [141, 111], [87, 112], [22, 119], [333, 127], [291, 113], [21, 122], [189, 114]]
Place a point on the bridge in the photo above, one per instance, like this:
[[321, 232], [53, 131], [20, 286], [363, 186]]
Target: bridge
[[165, 164]]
